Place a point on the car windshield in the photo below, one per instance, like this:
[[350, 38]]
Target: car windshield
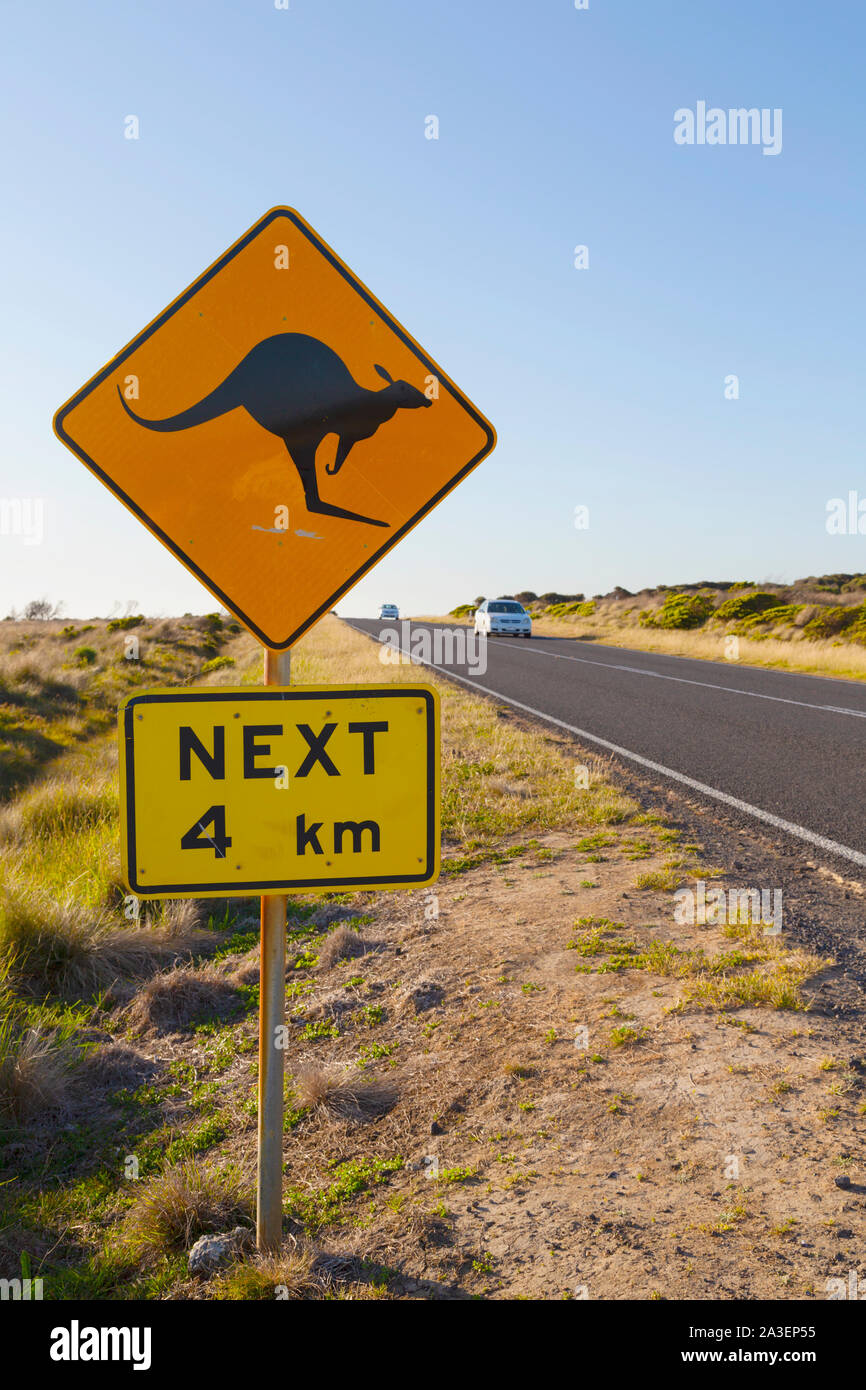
[[505, 608]]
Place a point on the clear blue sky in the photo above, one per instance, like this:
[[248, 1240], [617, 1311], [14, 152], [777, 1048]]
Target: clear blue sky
[[606, 386]]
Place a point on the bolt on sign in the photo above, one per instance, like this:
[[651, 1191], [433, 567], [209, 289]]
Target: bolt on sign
[[230, 791], [276, 428]]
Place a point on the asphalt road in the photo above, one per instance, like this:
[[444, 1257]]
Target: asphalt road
[[783, 749]]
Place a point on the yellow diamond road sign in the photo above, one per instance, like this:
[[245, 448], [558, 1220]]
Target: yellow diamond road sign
[[230, 792], [276, 428]]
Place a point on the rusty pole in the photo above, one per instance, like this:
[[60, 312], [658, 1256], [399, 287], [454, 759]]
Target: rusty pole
[[272, 1015]]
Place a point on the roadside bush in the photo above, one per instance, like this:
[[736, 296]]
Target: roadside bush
[[776, 617], [121, 624], [832, 622], [85, 656], [679, 611], [575, 610], [745, 605]]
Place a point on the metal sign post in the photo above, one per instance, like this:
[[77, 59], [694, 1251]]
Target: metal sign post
[[272, 1014]]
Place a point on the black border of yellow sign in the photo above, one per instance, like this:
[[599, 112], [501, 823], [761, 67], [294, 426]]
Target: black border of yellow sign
[[271, 693], [369, 298]]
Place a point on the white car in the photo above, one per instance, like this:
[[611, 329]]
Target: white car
[[389, 610], [503, 616]]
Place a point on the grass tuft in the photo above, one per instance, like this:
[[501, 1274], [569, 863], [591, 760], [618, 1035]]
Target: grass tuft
[[288, 1275], [182, 1203], [349, 1098], [173, 1001], [74, 951]]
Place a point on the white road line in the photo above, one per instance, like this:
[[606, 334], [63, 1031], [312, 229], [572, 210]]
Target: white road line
[[799, 831], [682, 680]]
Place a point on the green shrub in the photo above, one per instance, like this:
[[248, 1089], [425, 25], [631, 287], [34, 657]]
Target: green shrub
[[679, 611], [216, 663], [575, 610], [776, 617], [745, 605], [831, 622], [85, 656], [121, 624]]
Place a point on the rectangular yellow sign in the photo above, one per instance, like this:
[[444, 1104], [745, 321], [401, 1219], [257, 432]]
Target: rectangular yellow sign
[[228, 792]]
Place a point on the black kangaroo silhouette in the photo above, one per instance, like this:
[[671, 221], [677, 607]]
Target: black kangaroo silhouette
[[299, 389]]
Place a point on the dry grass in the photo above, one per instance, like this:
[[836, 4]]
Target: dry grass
[[60, 807], [76, 953], [182, 1203], [663, 880], [341, 944], [34, 1070], [760, 971], [291, 1274], [61, 682], [774, 983], [347, 1097], [171, 1002]]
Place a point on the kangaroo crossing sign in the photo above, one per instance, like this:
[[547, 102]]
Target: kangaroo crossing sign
[[239, 791], [276, 428]]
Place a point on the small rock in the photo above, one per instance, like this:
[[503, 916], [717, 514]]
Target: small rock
[[210, 1252], [435, 1127], [613, 1175], [843, 1180]]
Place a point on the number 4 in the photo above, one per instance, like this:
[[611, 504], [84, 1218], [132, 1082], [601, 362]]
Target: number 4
[[219, 842]]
